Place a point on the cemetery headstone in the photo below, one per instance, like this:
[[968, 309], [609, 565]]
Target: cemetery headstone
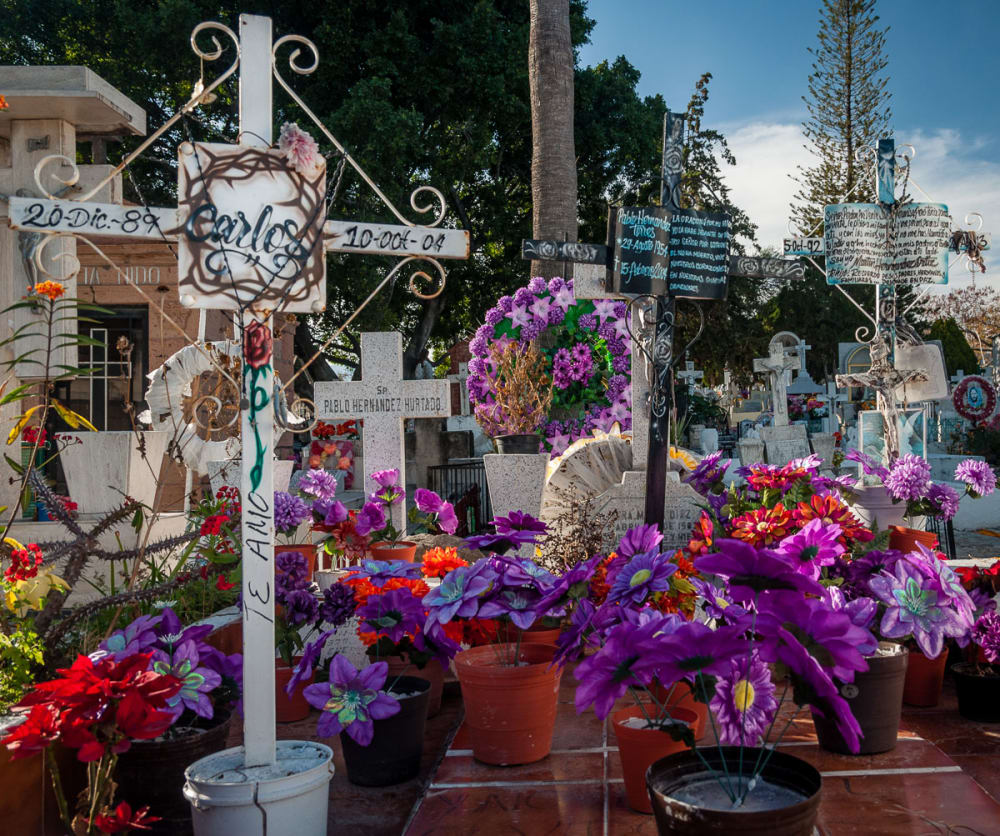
[[383, 399], [784, 443]]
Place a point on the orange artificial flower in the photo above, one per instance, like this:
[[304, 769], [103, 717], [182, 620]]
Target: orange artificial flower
[[439, 561], [51, 289], [3, 103], [832, 511], [764, 526], [701, 537]]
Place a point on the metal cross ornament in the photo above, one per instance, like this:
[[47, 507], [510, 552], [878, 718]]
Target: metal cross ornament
[[252, 233]]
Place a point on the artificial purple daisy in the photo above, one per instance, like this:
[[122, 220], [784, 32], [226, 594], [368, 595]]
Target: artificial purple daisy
[[638, 540], [379, 572], [351, 700], [197, 681], [813, 546], [643, 575], [869, 466], [459, 593], [695, 649], [392, 614], [622, 663], [303, 669], [744, 702], [751, 571], [978, 476], [707, 474]]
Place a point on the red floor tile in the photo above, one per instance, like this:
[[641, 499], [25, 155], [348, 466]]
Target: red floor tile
[[905, 805], [624, 821], [531, 811], [556, 767]]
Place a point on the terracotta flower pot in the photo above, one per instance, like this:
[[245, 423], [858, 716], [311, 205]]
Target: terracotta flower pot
[[510, 710], [906, 539], [402, 550], [924, 678], [307, 549], [432, 672], [669, 778], [289, 709], [640, 747], [876, 701], [540, 635], [682, 696]]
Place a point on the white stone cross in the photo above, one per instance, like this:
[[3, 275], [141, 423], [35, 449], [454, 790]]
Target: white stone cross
[[465, 408], [775, 365], [383, 400], [690, 375]]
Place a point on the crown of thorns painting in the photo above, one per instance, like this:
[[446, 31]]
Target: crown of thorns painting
[[251, 230]]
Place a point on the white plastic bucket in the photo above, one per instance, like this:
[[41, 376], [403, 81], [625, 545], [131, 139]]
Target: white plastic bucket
[[291, 796]]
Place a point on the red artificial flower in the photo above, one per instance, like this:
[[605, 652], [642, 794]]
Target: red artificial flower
[[831, 510], [33, 434], [222, 584], [24, 563], [40, 729], [701, 538], [213, 525], [764, 526], [96, 706], [122, 819]]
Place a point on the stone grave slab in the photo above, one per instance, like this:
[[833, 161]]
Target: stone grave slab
[[681, 508], [782, 444], [516, 482]]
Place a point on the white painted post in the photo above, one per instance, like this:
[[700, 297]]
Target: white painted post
[[257, 433]]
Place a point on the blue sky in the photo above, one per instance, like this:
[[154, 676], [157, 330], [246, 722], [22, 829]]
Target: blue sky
[[943, 68]]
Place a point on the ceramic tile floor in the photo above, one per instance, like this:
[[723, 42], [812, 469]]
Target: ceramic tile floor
[[942, 778]]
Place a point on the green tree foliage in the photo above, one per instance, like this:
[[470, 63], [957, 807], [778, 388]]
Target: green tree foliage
[[420, 93], [958, 354], [848, 105]]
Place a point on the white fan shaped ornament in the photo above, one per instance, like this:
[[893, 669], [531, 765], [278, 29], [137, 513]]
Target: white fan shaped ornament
[[592, 465]]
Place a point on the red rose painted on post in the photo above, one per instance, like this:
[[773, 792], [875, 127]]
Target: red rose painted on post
[[257, 344]]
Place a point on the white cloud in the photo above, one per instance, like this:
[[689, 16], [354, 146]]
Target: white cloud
[[952, 169]]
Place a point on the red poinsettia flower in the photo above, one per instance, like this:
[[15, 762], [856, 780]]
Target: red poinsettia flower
[[122, 819], [34, 734]]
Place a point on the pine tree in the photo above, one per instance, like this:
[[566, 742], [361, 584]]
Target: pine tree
[[848, 105]]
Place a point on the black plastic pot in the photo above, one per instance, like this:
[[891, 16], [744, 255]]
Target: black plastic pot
[[674, 774], [151, 772], [978, 694], [876, 700], [523, 443], [397, 744]]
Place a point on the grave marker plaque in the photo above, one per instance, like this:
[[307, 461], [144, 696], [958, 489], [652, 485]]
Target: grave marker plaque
[[859, 249]]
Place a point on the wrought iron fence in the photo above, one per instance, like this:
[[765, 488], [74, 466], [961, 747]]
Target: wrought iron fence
[[464, 485], [945, 532]]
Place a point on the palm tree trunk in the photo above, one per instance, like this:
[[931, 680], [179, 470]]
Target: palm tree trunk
[[553, 158]]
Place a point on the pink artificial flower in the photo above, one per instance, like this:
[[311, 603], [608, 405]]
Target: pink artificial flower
[[301, 151]]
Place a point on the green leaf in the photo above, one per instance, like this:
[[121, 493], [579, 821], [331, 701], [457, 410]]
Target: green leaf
[[15, 394], [17, 467], [137, 519]]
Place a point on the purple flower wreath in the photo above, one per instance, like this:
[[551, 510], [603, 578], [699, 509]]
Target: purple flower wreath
[[589, 361]]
